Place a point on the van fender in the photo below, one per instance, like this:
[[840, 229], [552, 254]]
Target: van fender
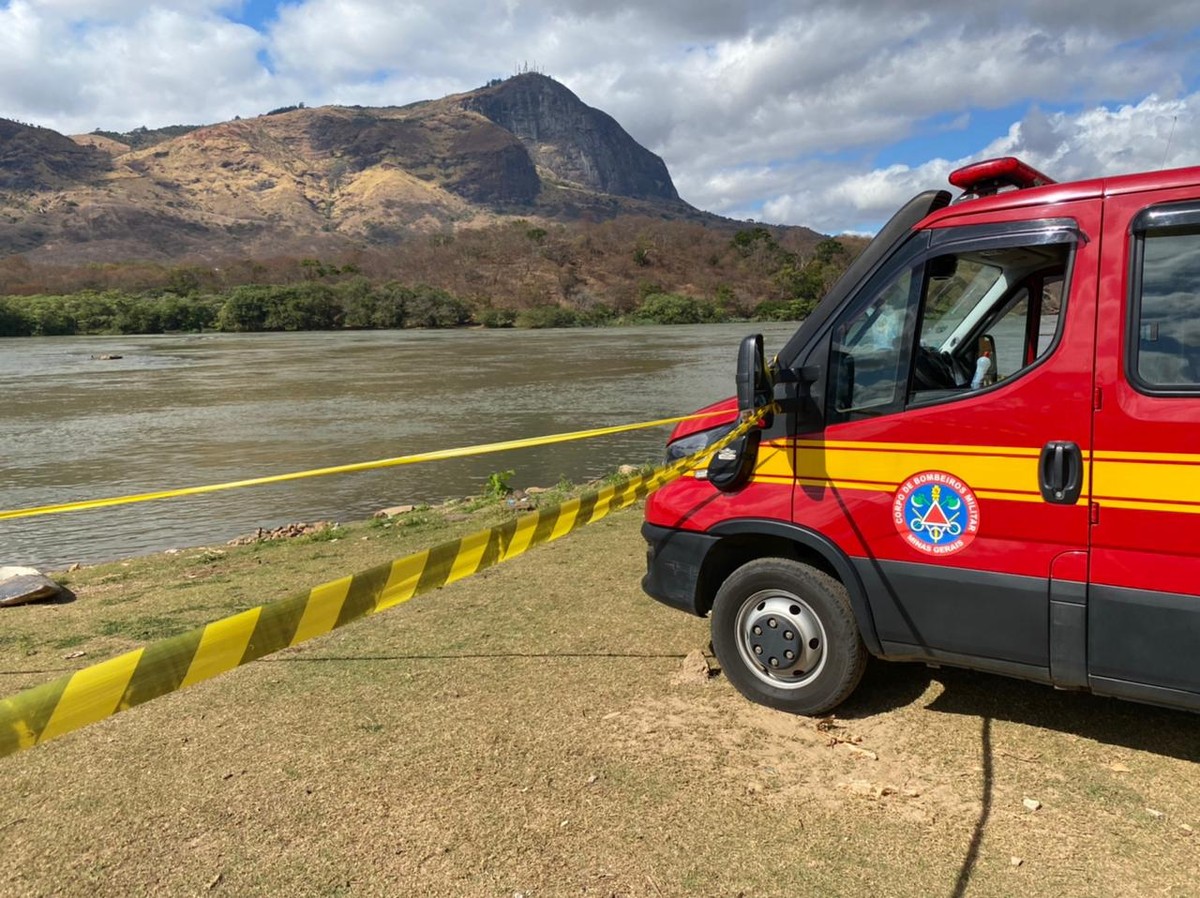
[[820, 545]]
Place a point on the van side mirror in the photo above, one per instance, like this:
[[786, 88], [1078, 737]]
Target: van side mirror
[[753, 381], [731, 467]]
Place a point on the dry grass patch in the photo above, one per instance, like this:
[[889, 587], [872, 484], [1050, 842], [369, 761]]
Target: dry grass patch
[[524, 731]]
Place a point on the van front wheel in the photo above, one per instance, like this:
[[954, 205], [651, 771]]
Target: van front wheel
[[786, 636]]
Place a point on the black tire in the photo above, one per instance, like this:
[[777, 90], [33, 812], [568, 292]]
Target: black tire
[[771, 607]]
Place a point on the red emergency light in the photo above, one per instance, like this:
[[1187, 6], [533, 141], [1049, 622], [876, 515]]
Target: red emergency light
[[988, 177]]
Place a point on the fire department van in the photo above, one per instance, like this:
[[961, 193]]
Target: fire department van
[[984, 452]]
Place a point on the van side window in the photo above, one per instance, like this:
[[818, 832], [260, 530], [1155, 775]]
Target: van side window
[[949, 325], [1166, 351], [986, 316]]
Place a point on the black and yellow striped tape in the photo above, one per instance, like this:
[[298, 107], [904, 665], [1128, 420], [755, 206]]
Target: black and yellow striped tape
[[94, 693]]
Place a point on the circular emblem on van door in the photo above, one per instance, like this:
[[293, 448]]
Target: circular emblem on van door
[[936, 513]]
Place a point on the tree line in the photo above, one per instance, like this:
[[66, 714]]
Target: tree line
[[354, 304], [511, 275]]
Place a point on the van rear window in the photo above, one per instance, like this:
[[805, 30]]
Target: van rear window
[[1167, 346]]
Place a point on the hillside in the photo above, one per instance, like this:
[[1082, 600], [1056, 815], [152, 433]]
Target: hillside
[[326, 180]]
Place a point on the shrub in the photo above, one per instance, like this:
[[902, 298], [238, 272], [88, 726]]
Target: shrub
[[309, 307], [784, 309], [245, 309], [432, 307], [675, 308], [547, 316], [597, 316], [497, 485], [391, 307], [48, 316], [358, 301], [13, 322], [497, 317], [298, 307]]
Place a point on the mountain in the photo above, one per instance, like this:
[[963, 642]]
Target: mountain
[[319, 180], [38, 160], [571, 141]]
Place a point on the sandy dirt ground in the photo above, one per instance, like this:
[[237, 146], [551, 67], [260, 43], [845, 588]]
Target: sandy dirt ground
[[538, 730]]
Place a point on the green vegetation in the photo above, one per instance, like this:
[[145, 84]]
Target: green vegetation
[[561, 316], [142, 628], [142, 137], [110, 312], [327, 534], [674, 308], [512, 276], [282, 109], [498, 486], [352, 304]]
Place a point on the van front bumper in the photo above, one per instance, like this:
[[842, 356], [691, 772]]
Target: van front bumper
[[673, 562]]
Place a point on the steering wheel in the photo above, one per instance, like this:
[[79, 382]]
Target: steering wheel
[[959, 373], [933, 370]]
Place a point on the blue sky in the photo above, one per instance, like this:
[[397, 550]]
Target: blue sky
[[255, 13], [798, 112]]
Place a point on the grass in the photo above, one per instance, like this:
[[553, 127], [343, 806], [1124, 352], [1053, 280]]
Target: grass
[[524, 731], [145, 628]]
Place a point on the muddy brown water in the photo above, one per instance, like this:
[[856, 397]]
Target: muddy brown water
[[177, 411]]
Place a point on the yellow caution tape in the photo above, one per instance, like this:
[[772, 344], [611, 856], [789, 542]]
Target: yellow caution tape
[[94, 693], [438, 455]]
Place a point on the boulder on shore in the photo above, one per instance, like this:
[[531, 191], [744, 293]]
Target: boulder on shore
[[393, 511], [20, 585]]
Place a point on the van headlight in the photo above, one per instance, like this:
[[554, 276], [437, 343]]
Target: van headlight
[[696, 442]]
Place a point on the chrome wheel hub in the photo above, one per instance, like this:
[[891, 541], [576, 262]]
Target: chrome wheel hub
[[781, 639]]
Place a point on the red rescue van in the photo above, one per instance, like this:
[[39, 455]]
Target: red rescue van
[[985, 453]]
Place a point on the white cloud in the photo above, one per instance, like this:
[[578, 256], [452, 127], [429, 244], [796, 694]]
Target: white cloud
[[804, 91], [1154, 133], [116, 10], [121, 65], [1100, 141], [159, 61], [772, 109]]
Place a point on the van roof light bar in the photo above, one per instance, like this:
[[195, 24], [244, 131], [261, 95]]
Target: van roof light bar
[[990, 176]]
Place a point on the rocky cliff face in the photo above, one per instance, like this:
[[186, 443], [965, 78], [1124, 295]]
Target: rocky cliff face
[[308, 180], [571, 140]]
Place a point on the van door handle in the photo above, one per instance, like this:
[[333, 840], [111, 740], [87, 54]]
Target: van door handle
[[1061, 470]]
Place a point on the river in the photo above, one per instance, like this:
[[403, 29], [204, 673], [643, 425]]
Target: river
[[188, 410]]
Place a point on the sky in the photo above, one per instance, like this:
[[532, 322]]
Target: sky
[[823, 114]]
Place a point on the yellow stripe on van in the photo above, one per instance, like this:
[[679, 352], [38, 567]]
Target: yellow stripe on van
[[1175, 458], [922, 448], [1173, 507], [1153, 481], [887, 465], [1149, 481], [775, 462]]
